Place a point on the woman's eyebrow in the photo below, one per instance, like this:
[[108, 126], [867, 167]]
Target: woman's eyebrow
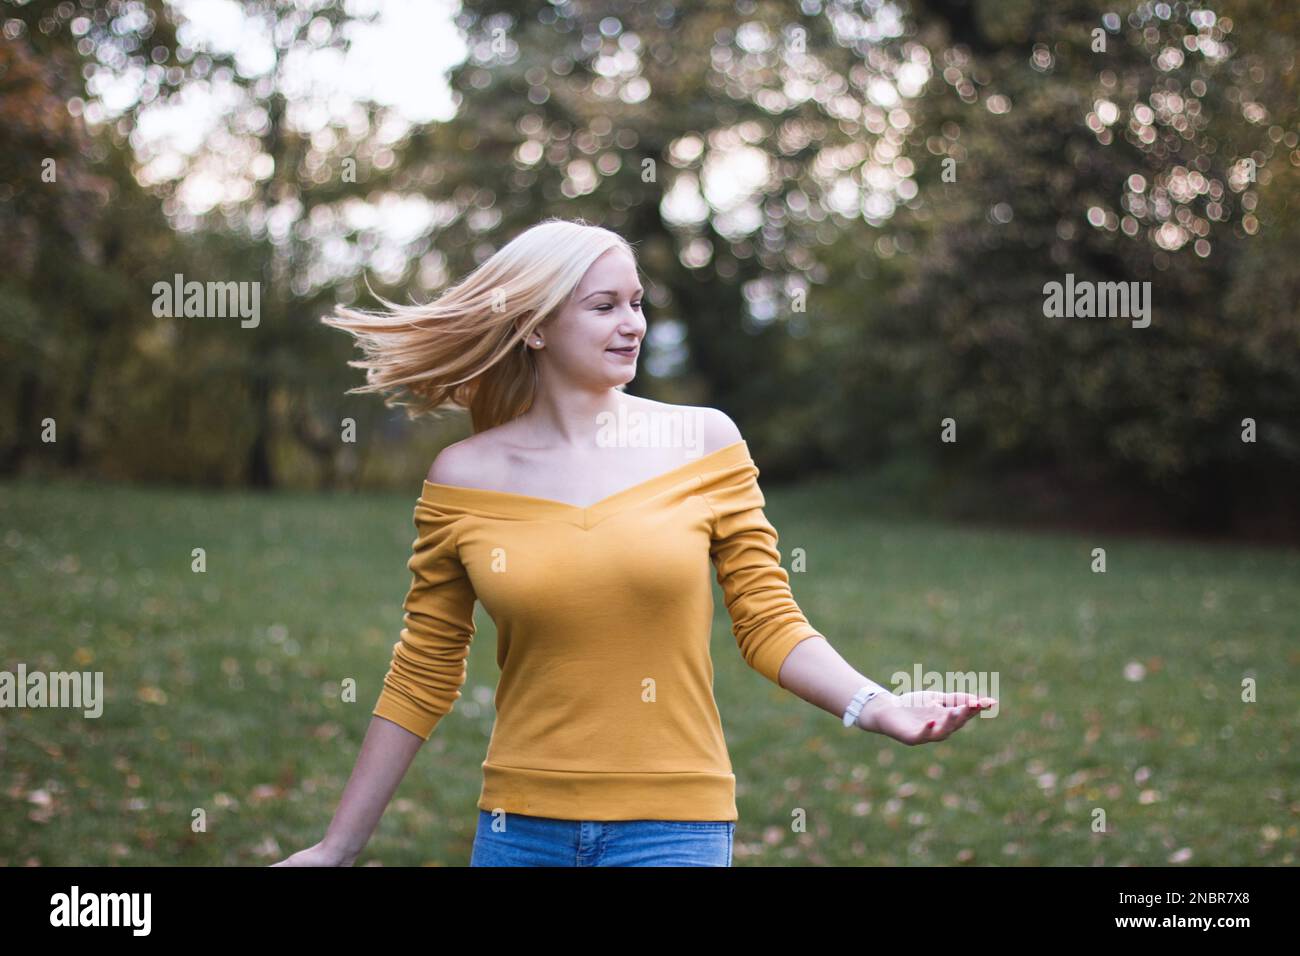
[[608, 292]]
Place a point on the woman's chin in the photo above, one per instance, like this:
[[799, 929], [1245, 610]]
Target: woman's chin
[[619, 376]]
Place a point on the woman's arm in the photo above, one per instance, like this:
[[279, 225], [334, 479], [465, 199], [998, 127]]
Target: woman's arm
[[423, 683], [815, 671], [385, 755], [766, 620]]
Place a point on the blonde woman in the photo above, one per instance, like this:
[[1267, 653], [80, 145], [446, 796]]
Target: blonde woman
[[584, 520]]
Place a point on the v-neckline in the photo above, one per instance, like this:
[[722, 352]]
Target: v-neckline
[[489, 499]]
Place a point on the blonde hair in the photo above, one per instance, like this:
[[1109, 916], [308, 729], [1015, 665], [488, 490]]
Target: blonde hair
[[463, 349]]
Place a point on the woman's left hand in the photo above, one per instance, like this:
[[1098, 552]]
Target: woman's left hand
[[923, 716]]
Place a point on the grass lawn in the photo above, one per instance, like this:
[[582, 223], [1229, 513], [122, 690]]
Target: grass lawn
[[1121, 693]]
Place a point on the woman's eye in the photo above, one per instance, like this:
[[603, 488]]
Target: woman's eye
[[602, 308]]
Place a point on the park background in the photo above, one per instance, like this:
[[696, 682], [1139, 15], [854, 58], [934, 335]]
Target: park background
[[845, 215]]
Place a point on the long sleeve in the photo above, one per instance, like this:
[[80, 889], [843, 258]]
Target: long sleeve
[[766, 621], [428, 665]]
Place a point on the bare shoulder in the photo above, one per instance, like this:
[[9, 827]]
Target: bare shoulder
[[716, 427], [464, 463], [719, 430]]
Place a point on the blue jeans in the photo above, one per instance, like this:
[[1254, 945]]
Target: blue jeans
[[547, 841]]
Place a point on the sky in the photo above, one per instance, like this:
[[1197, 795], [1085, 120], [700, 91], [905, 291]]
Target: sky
[[401, 60], [208, 136]]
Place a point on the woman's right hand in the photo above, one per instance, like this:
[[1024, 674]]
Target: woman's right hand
[[318, 855]]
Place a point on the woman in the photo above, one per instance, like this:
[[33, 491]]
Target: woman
[[581, 518]]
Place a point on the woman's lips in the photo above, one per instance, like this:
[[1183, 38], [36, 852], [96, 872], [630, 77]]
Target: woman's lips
[[629, 352]]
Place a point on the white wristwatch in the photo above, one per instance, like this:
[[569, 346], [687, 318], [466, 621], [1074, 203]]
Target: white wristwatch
[[859, 701]]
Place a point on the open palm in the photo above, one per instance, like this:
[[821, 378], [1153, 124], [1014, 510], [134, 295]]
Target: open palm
[[923, 716]]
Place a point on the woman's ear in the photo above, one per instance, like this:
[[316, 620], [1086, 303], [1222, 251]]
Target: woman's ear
[[522, 322]]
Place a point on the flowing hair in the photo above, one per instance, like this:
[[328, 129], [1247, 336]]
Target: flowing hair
[[464, 349]]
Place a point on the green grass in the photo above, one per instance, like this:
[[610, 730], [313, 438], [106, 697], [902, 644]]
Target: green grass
[[222, 689]]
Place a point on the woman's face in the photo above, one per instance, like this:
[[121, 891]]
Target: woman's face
[[603, 314]]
